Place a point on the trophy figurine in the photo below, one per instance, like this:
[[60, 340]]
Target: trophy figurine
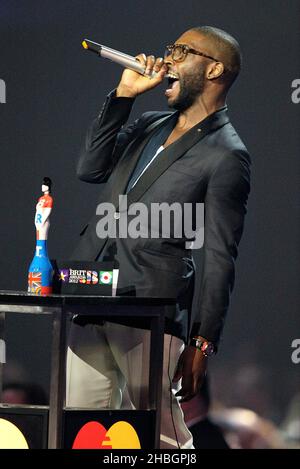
[[40, 273]]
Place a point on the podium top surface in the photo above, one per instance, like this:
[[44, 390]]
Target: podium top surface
[[11, 297]]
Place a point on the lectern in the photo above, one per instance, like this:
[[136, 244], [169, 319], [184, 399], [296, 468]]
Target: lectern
[[62, 307]]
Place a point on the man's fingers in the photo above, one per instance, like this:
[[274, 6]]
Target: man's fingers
[[178, 374], [159, 62], [192, 376], [186, 389], [141, 58], [149, 65], [190, 388], [187, 398], [185, 394], [153, 64]]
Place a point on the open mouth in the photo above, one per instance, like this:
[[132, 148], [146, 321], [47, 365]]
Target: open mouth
[[172, 83], [172, 77]]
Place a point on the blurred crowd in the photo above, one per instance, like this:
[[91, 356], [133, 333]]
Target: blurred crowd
[[217, 426]]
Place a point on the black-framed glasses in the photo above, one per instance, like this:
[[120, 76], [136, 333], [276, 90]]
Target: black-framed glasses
[[179, 52]]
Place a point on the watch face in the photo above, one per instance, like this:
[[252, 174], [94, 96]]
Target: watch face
[[208, 348]]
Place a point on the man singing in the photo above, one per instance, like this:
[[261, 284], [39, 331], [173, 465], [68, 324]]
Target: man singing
[[185, 157]]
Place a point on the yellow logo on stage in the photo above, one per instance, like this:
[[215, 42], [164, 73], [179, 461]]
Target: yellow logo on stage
[[11, 437]]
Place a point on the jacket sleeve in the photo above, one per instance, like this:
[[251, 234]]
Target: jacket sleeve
[[225, 209], [105, 139]]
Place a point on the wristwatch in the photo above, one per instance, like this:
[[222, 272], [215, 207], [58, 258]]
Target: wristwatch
[[207, 348]]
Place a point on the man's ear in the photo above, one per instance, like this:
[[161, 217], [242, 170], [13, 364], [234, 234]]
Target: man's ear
[[215, 70]]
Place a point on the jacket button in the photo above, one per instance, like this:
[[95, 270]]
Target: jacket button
[[116, 215]]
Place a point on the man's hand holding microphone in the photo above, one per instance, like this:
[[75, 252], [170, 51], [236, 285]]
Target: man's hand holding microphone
[[133, 83]]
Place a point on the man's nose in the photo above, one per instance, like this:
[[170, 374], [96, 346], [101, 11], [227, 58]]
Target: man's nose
[[168, 58]]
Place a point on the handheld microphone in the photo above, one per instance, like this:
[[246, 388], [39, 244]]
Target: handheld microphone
[[125, 60]]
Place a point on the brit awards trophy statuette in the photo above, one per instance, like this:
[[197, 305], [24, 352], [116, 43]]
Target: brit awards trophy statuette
[[40, 273]]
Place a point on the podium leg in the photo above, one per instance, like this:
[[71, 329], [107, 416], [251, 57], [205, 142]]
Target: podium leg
[[155, 372], [57, 381], [2, 349]]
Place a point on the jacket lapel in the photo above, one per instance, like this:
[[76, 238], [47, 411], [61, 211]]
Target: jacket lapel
[[129, 160], [174, 151]]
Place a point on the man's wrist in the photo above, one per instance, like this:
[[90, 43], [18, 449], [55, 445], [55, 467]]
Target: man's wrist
[[125, 92], [207, 348]]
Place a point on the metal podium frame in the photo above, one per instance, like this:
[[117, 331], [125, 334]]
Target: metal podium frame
[[61, 306]]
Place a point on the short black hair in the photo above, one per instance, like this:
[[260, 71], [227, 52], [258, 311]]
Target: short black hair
[[47, 182], [226, 48], [34, 393]]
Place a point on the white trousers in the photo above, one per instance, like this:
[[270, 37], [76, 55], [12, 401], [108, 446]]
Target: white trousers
[[106, 363]]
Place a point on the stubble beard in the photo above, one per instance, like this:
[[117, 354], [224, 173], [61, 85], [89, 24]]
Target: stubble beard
[[191, 87]]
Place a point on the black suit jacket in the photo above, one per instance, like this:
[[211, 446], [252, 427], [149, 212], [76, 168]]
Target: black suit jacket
[[208, 164]]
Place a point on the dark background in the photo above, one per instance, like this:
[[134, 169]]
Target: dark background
[[55, 88]]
